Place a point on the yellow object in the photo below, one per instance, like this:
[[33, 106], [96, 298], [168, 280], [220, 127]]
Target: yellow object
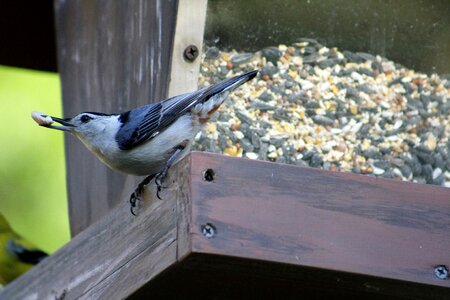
[[32, 172], [233, 151], [17, 255]]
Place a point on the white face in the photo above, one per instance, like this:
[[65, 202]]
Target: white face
[[87, 126], [79, 123], [96, 131]]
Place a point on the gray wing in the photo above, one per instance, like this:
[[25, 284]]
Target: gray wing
[[144, 123]]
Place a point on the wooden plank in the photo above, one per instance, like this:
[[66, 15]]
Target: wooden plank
[[112, 56], [115, 256], [278, 230], [327, 220], [189, 31]]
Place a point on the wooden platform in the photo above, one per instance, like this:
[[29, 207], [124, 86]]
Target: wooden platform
[[252, 229]]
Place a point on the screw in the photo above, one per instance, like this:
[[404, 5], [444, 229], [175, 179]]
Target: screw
[[208, 175], [208, 230], [441, 272], [191, 52], [62, 295]]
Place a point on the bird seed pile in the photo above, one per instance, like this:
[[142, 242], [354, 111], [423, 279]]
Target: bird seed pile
[[316, 106]]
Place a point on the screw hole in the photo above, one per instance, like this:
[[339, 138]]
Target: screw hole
[[208, 175]]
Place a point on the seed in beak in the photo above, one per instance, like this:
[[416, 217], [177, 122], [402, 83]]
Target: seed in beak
[[41, 119]]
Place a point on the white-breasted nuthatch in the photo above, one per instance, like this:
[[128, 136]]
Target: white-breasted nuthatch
[[149, 139]]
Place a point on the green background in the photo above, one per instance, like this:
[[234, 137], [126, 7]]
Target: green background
[[32, 174]]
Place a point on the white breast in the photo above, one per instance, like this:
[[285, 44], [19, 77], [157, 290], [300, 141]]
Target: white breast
[[151, 157]]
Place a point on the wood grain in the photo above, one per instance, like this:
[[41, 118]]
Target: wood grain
[[320, 219], [112, 56], [115, 256], [189, 30], [280, 231]]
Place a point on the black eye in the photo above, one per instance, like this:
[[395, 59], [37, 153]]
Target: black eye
[[85, 118]]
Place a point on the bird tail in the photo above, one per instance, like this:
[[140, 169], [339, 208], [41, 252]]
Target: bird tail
[[229, 84], [213, 96], [203, 102]]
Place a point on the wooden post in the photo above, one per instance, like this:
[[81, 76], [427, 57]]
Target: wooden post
[[257, 230], [189, 31], [112, 56]]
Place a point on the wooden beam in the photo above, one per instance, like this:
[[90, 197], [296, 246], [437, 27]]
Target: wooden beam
[[112, 56], [272, 230], [281, 231], [189, 30], [117, 255], [321, 219]]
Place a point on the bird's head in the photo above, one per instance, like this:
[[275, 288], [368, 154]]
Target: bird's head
[[86, 125]]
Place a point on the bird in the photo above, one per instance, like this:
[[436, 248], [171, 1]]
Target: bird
[[147, 140], [17, 255]]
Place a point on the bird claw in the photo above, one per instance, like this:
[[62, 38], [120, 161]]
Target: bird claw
[[132, 211], [159, 179], [159, 188], [135, 196]]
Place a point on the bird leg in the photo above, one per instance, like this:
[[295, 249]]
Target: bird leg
[[161, 176], [136, 196]]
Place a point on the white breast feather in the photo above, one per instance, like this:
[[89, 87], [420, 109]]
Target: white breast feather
[[151, 156]]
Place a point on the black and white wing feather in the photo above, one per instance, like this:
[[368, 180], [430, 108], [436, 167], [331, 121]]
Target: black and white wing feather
[[144, 123]]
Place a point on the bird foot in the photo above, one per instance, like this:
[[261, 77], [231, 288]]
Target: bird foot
[[161, 176], [159, 179], [137, 194], [134, 198]]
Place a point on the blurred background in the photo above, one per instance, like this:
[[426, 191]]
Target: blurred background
[[414, 33], [32, 173]]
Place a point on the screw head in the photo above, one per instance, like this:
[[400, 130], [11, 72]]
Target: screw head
[[441, 272], [191, 52], [208, 230]]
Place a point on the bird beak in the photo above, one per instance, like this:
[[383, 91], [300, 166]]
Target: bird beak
[[66, 124]]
